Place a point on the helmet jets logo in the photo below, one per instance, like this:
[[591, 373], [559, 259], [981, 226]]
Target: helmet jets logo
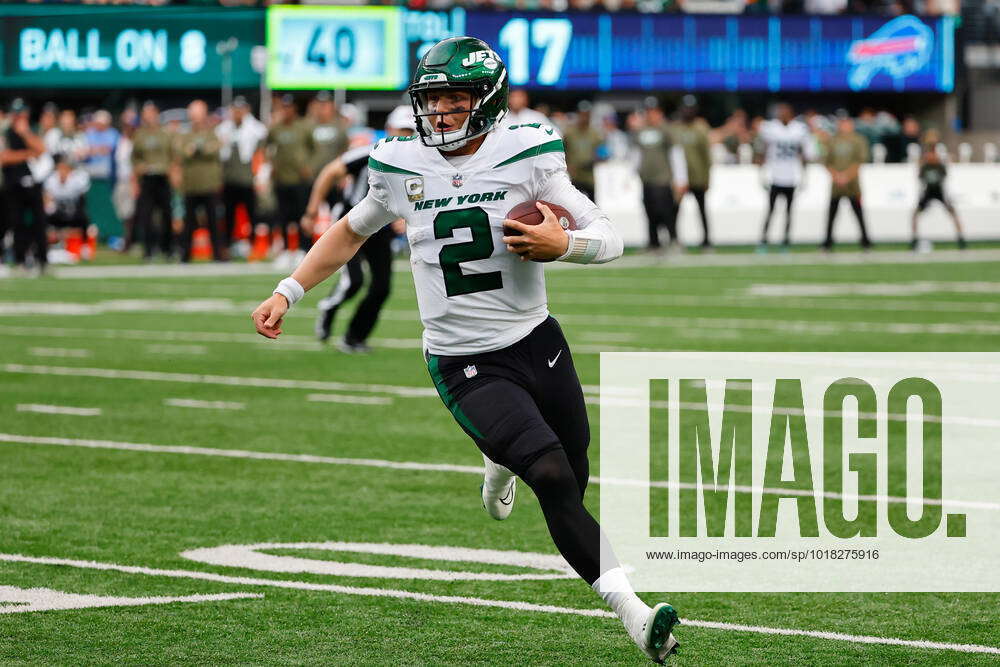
[[487, 58]]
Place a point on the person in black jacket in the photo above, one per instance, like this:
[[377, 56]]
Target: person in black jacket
[[376, 251], [22, 193]]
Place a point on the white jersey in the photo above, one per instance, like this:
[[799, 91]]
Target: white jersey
[[473, 294], [787, 146]]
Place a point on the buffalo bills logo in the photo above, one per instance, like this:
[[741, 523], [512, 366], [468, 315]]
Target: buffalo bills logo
[[901, 47]]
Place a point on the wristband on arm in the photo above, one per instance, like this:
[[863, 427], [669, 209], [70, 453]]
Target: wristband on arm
[[291, 290], [581, 249]]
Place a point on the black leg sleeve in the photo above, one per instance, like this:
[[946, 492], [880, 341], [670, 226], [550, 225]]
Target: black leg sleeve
[[574, 531]]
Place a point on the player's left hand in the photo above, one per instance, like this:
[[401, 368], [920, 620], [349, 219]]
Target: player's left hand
[[545, 241]]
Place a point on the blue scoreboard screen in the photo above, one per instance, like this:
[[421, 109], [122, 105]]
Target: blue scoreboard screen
[[327, 47], [697, 52]]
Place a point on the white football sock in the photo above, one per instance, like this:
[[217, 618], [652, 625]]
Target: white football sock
[[614, 588]]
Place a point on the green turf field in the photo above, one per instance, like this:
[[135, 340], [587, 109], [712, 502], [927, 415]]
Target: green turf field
[[167, 370]]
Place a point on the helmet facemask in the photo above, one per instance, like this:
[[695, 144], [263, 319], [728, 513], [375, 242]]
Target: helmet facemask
[[477, 121]]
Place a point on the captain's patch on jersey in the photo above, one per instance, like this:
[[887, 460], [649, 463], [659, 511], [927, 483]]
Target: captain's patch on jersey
[[414, 188]]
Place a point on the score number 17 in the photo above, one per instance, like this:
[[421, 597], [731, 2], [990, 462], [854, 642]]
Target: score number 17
[[551, 35]]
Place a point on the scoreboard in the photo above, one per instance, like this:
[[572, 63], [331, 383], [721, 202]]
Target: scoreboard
[[377, 48], [358, 47]]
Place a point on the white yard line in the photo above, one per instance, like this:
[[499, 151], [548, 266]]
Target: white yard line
[[912, 288], [167, 270], [636, 297], [14, 600], [176, 349], [844, 258], [984, 374], [236, 454], [59, 410], [62, 352], [10, 438], [290, 340], [349, 398], [229, 380], [481, 602], [210, 405], [287, 342], [683, 324]]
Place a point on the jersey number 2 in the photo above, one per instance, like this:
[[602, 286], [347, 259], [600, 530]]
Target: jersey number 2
[[452, 255]]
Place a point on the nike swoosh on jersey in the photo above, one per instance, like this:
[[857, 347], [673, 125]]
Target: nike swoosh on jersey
[[552, 362]]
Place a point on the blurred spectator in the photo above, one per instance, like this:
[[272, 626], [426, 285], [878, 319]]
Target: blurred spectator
[[124, 194], [732, 134], [582, 143], [66, 139], [329, 131], [196, 156], [241, 136], [824, 6], [661, 167], [787, 147], [47, 119], [101, 141], [866, 127], [692, 135], [152, 155], [932, 175], [519, 113], [616, 142], [908, 137], [877, 127], [22, 192], [290, 149], [65, 193], [846, 152]]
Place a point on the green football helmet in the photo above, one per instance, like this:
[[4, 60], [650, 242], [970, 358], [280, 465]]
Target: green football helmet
[[460, 63]]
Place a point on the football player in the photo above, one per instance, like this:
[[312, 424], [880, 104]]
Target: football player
[[498, 359], [931, 175], [789, 144]]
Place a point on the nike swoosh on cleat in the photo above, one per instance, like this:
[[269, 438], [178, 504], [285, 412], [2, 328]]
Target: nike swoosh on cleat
[[552, 362], [508, 497]]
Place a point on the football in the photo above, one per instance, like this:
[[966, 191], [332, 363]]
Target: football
[[527, 213]]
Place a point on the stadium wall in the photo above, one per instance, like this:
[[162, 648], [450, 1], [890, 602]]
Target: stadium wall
[[737, 202]]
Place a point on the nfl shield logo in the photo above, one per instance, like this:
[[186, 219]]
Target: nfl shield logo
[[470, 371], [456, 180]]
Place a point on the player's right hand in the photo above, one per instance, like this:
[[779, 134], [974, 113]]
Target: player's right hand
[[269, 315]]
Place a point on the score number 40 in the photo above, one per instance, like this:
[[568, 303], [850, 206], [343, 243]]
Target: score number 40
[[552, 36]]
